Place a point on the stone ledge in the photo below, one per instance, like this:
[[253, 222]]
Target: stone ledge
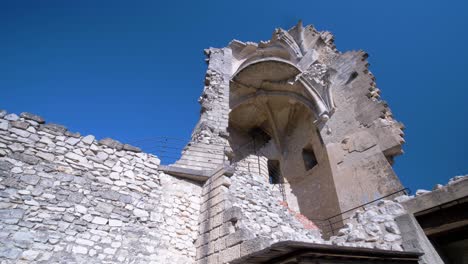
[[455, 190], [196, 175]]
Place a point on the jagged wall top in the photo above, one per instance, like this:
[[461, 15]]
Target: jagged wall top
[[307, 50]]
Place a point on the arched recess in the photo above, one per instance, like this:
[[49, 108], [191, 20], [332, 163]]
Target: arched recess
[[273, 126], [278, 74]]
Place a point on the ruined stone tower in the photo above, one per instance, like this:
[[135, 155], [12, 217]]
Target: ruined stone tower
[[290, 162], [311, 115]]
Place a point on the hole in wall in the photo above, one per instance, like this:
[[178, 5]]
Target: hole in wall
[[233, 227], [310, 160], [352, 76]]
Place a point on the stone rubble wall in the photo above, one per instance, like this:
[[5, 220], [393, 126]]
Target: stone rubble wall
[[373, 227], [265, 213], [65, 198], [377, 226], [242, 213]]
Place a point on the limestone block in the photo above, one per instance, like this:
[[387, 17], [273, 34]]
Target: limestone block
[[32, 117], [11, 117], [53, 129], [72, 141], [110, 194], [20, 132], [19, 124], [254, 245], [131, 148], [114, 222], [30, 179], [89, 139], [140, 213], [99, 220], [230, 254], [238, 237], [80, 250], [16, 147], [233, 214], [45, 156], [3, 125], [111, 143]]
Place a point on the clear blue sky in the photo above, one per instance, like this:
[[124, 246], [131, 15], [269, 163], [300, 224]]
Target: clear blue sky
[[135, 69]]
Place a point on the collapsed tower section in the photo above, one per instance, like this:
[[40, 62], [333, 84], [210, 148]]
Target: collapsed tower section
[[303, 116]]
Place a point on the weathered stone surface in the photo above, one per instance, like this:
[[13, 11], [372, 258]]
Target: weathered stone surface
[[99, 220], [11, 117], [16, 147], [72, 134], [89, 139], [20, 132], [32, 117], [80, 250], [131, 148], [111, 143], [140, 213], [113, 222], [25, 158], [72, 141], [46, 156], [81, 209], [3, 125], [421, 192], [54, 129], [9, 252], [19, 124], [30, 179], [111, 195]]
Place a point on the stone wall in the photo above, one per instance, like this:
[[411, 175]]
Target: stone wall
[[361, 137], [210, 133], [65, 198], [264, 212], [391, 225], [242, 213], [373, 227]]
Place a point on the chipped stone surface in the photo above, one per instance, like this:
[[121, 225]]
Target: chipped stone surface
[[32, 117], [263, 210]]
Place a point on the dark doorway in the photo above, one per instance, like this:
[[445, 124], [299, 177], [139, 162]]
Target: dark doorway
[[274, 171]]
